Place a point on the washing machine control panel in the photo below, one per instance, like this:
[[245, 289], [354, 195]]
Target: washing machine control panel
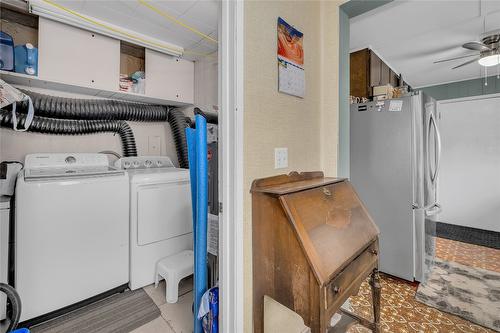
[[144, 162], [65, 160], [67, 165]]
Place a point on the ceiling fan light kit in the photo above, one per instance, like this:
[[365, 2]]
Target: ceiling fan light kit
[[491, 60], [488, 48]]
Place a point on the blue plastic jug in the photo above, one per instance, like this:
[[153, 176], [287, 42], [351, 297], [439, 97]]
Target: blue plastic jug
[[26, 57], [6, 52]]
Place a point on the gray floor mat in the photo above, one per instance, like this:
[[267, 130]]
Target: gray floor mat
[[118, 313]]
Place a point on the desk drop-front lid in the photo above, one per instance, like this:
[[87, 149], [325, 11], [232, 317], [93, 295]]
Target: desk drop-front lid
[[331, 222]]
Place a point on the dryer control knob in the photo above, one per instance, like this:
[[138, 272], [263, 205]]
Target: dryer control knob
[[70, 159], [148, 163]]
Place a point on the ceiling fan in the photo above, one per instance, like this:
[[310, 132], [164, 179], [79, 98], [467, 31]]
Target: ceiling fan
[[489, 52]]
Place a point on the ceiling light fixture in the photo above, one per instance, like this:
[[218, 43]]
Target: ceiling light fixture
[[491, 60]]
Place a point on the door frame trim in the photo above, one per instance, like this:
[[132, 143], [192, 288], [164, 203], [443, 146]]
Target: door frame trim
[[231, 155]]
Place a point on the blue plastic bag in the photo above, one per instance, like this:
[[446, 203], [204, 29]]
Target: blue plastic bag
[[209, 311]]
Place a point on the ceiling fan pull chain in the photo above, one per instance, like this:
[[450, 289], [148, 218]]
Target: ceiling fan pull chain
[[485, 76]]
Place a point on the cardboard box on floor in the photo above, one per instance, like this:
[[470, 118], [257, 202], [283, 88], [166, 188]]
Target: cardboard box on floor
[[278, 318]]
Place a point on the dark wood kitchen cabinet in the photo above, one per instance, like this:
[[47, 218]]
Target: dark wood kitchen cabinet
[[314, 243], [367, 70], [376, 68], [360, 73]]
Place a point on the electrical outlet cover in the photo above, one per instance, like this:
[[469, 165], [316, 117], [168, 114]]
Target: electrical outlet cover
[[280, 158], [154, 146]]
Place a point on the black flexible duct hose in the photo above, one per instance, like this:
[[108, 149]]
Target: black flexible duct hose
[[92, 109], [212, 118], [178, 125], [108, 110], [15, 302], [75, 127]]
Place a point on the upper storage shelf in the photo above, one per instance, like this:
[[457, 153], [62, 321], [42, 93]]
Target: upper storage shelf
[[35, 82], [80, 61]]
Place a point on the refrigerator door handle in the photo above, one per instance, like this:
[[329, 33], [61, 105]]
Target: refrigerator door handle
[[432, 121], [433, 206], [438, 147], [432, 209]]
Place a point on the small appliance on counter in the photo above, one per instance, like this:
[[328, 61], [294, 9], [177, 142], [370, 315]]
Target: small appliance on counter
[[6, 52], [26, 59]]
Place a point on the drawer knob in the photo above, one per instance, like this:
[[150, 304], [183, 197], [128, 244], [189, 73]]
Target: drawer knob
[[337, 289], [326, 191], [374, 252]]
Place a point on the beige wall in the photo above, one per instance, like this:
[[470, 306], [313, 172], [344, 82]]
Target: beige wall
[[15, 145], [308, 126]]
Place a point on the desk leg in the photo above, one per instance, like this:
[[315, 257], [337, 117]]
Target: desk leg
[[376, 289]]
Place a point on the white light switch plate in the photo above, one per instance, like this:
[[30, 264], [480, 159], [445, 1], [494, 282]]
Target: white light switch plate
[[280, 158], [154, 146]]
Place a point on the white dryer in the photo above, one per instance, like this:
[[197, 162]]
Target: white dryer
[[160, 214], [72, 235]]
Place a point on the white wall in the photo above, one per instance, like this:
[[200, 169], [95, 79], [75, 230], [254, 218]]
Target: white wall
[[15, 145], [469, 181]]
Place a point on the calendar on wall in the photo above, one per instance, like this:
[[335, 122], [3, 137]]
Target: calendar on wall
[[291, 74]]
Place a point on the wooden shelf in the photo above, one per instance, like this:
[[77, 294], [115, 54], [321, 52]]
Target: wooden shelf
[[35, 82]]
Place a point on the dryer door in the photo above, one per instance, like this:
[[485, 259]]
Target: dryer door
[[163, 211]]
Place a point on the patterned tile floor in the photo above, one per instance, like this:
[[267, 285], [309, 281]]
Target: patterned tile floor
[[401, 313], [468, 254]]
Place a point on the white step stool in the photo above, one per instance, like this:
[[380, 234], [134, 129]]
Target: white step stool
[[173, 269]]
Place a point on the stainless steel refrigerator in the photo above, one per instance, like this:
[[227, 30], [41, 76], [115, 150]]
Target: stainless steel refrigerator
[[394, 165]]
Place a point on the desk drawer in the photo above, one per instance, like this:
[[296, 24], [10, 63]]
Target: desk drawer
[[348, 281]]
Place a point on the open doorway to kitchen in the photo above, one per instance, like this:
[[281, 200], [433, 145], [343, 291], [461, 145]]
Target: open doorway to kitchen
[[418, 85]]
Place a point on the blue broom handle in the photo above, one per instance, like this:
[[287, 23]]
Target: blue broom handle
[[190, 138], [201, 217]]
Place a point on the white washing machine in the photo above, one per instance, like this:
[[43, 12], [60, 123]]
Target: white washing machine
[[4, 248], [72, 235], [160, 214]]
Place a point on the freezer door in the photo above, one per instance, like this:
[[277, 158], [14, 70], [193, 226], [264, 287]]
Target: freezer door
[[426, 201], [382, 152]]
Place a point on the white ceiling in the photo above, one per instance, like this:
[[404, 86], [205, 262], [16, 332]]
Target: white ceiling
[[199, 14], [409, 35]]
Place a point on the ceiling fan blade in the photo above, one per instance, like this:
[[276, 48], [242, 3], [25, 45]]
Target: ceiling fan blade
[[476, 46], [450, 59], [467, 63]]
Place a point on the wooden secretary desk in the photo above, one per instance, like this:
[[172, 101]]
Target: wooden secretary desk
[[314, 243]]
